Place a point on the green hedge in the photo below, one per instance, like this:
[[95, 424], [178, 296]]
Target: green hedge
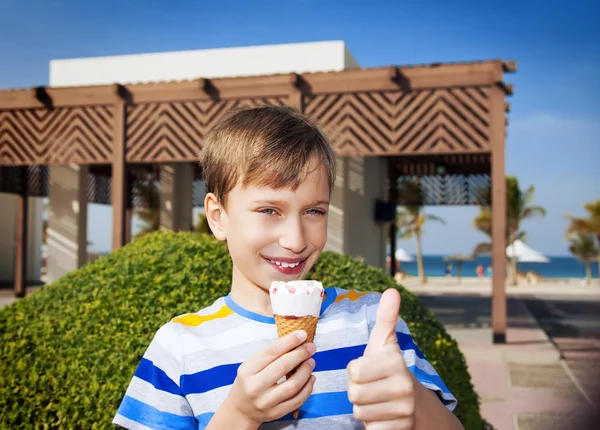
[[68, 351]]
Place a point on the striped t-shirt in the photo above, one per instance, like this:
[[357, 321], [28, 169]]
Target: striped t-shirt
[[190, 365]]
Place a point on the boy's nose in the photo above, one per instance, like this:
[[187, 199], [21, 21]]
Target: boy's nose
[[292, 237]]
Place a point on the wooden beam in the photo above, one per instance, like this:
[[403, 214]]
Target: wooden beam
[[296, 99], [119, 191], [171, 91], [353, 80], [497, 136], [509, 66], [21, 234], [256, 86], [19, 99], [507, 88], [81, 96]]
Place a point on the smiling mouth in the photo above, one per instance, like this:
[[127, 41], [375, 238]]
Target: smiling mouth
[[287, 266]]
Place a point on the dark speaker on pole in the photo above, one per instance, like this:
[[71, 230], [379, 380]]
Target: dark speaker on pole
[[385, 211]]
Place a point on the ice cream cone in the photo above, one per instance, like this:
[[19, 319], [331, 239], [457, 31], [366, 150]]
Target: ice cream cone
[[296, 306]]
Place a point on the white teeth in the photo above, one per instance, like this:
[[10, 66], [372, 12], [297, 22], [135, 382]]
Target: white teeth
[[284, 264]]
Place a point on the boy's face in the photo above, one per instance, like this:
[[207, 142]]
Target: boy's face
[[275, 234]]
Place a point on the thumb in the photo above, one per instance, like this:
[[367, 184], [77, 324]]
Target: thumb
[[384, 331]]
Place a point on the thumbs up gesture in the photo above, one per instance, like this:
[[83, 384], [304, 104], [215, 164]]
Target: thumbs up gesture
[[380, 386]]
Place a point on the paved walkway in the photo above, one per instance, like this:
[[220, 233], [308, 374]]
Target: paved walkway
[[7, 295], [524, 384]]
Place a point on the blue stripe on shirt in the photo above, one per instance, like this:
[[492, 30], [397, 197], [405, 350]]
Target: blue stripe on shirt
[[334, 359], [316, 406], [423, 376], [220, 376], [148, 372], [406, 342], [209, 379], [151, 417]]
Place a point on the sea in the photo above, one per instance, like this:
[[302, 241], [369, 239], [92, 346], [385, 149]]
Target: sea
[[558, 267]]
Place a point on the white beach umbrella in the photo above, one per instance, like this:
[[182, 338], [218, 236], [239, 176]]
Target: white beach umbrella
[[403, 256], [524, 253]]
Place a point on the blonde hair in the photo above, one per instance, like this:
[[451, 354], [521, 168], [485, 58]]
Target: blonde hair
[[266, 146]]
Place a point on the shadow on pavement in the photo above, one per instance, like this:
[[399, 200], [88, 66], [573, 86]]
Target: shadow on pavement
[[473, 312]]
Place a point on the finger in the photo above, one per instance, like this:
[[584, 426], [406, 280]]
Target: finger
[[298, 400], [285, 364], [374, 367], [387, 411], [380, 391], [400, 424], [272, 352], [384, 331], [290, 387]]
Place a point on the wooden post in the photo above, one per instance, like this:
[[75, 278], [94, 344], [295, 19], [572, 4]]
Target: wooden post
[[497, 136], [119, 179], [393, 198], [295, 99], [21, 234]]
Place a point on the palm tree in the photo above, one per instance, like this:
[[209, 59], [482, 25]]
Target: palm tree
[[583, 247], [589, 225], [411, 219], [518, 209]]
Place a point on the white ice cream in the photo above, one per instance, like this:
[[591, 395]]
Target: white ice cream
[[296, 298]]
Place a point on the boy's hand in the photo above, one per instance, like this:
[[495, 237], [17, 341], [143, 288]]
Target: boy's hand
[[380, 386], [256, 397]]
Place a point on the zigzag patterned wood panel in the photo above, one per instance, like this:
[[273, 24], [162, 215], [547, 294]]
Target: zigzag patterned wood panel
[[59, 136], [172, 132], [417, 122], [448, 190]]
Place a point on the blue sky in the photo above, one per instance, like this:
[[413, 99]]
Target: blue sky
[[556, 46]]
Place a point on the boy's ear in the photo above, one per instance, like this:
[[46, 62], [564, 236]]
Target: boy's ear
[[214, 215]]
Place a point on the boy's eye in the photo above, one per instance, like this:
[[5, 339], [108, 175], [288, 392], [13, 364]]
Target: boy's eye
[[268, 211], [315, 212]]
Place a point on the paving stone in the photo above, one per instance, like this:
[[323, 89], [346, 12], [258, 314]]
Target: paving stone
[[551, 377]]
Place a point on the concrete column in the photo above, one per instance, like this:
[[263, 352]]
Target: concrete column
[[176, 181], [352, 228], [67, 220], [34, 239]]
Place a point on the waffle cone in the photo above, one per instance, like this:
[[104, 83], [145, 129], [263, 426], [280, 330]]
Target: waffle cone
[[287, 325]]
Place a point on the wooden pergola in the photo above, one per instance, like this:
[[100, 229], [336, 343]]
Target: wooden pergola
[[444, 122]]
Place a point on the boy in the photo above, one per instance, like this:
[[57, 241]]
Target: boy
[[269, 173]]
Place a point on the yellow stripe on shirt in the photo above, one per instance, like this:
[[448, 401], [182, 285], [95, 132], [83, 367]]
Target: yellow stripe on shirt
[[194, 320], [352, 296]]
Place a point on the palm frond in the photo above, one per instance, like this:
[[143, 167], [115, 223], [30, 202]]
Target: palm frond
[[579, 226], [436, 218], [482, 248], [532, 211], [528, 195], [584, 247]]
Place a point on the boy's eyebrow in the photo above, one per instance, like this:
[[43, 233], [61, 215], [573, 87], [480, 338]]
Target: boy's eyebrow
[[278, 202]]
